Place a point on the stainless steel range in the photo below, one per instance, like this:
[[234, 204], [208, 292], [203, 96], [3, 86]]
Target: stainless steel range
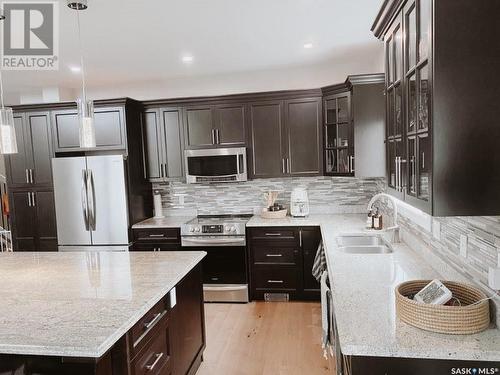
[[225, 277]]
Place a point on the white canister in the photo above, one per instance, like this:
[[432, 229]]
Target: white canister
[[157, 204]]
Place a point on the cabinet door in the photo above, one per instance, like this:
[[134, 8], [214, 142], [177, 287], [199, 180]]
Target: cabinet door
[[199, 127], [303, 129], [38, 129], [23, 221], [310, 239], [266, 126], [172, 143], [45, 220], [230, 125], [109, 129], [18, 164], [152, 144]]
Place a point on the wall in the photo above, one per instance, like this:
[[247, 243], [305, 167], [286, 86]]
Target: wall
[[326, 194], [482, 234]]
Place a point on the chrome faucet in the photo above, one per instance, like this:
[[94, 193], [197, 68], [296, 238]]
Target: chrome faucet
[[395, 227]]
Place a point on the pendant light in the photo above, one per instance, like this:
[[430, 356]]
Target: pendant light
[[85, 107], [8, 142]]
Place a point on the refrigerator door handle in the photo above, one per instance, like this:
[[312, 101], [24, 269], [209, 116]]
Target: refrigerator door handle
[[93, 203], [84, 199]]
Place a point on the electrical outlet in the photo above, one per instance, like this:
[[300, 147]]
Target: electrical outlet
[[436, 230], [494, 278], [173, 297], [463, 245]]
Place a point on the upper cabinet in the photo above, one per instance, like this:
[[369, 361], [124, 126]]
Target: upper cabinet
[[31, 166], [110, 133], [442, 134], [354, 127], [163, 143], [285, 138], [213, 126]]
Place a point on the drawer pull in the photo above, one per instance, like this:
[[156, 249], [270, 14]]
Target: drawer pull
[[274, 255], [275, 281], [273, 234], [158, 356], [214, 278], [156, 235], [156, 317]]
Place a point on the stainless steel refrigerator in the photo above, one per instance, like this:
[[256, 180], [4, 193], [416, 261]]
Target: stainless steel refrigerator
[[91, 203]]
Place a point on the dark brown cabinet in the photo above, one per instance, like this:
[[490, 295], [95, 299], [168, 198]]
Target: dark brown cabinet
[[110, 132], [157, 239], [31, 166], [281, 260], [285, 138], [214, 126], [442, 137], [33, 220], [163, 143]]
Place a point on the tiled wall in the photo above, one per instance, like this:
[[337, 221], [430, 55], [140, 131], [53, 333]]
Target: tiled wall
[[326, 194], [482, 234]]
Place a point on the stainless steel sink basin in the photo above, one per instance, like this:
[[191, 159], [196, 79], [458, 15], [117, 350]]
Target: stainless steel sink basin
[[363, 244], [379, 249], [356, 240]]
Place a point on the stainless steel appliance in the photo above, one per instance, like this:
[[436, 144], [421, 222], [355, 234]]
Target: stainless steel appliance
[[216, 165], [225, 277], [91, 203]]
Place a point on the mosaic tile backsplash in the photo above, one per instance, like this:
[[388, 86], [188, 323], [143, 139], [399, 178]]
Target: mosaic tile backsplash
[[326, 194], [479, 234]]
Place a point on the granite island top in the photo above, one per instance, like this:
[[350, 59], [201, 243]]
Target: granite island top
[[79, 304], [364, 300]]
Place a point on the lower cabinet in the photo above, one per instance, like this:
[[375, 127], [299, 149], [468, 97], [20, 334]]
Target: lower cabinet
[[33, 220], [157, 239], [281, 260]]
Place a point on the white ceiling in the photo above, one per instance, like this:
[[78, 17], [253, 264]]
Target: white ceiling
[[133, 41]]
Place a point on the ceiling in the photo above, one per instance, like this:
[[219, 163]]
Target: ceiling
[[145, 40]]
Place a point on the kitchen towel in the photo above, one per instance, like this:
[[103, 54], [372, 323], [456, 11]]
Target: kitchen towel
[[319, 264], [326, 317]]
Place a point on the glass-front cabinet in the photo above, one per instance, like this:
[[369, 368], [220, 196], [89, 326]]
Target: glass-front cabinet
[[408, 96], [339, 135]]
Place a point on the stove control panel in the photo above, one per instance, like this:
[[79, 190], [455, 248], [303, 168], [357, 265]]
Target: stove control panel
[[212, 228]]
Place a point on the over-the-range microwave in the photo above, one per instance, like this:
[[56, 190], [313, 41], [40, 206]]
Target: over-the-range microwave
[[216, 165]]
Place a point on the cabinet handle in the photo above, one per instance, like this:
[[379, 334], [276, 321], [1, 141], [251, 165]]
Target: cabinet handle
[[274, 255], [300, 238], [152, 321], [273, 234], [283, 165], [33, 202], [31, 175], [27, 176], [423, 160], [275, 281], [213, 136], [156, 235], [217, 136], [288, 165], [29, 199], [351, 164], [397, 173], [155, 362]]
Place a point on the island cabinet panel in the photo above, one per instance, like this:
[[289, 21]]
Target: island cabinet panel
[[281, 260], [442, 148]]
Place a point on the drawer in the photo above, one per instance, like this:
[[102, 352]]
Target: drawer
[[143, 330], [154, 246], [274, 254], [274, 277], [159, 235], [289, 235], [155, 357]]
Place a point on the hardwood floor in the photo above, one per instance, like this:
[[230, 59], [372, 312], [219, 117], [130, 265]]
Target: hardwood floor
[[264, 339]]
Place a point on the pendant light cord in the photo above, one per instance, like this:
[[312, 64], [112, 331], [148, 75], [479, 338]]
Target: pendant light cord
[[84, 91]]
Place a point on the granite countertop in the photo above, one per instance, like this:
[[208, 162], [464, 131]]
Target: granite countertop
[[165, 222], [79, 304], [364, 300]]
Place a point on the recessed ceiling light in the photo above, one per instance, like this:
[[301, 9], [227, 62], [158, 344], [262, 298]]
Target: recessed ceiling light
[[308, 45], [75, 69], [187, 59]]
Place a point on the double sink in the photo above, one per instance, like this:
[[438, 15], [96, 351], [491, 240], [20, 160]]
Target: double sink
[[363, 244]]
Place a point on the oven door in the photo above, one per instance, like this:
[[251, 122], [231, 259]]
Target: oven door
[[216, 165]]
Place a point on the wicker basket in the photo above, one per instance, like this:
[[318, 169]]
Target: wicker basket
[[470, 317], [265, 214]]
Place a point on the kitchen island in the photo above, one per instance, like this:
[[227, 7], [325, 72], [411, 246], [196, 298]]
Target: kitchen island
[[101, 313]]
